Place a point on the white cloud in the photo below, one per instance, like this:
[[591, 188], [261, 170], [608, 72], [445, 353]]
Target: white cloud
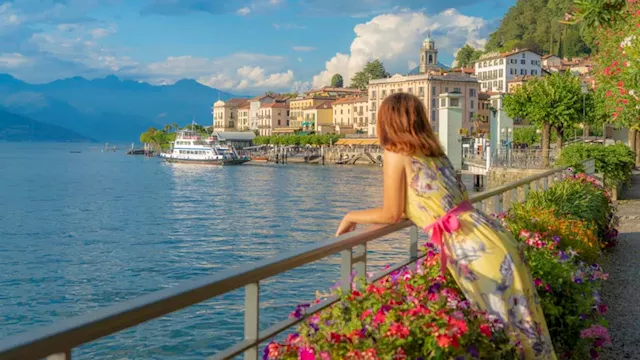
[[243, 11], [12, 60], [242, 71], [276, 2], [98, 33], [395, 39], [299, 59], [303, 48]]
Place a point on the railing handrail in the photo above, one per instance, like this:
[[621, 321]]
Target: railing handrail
[[64, 335]]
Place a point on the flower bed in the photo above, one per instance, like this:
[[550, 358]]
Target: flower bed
[[416, 313]]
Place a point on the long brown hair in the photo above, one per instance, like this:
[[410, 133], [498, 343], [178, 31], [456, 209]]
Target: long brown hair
[[403, 126]]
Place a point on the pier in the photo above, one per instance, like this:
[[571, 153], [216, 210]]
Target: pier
[[58, 340]]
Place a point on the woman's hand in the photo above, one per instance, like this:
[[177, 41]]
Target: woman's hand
[[346, 225]]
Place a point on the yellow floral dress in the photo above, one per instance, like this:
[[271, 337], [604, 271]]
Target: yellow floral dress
[[483, 257]]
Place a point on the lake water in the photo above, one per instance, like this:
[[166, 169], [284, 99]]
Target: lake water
[[80, 231]]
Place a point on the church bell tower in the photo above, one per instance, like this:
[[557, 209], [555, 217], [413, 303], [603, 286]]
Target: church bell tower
[[428, 55]]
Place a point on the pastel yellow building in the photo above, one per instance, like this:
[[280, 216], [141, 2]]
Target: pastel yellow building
[[335, 92], [272, 116], [244, 116], [298, 105], [351, 115], [225, 114], [319, 118]]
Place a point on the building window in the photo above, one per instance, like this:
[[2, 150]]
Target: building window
[[472, 104], [433, 115], [524, 55], [523, 71], [523, 62], [500, 73], [456, 90], [446, 90], [384, 93], [470, 115], [433, 91], [421, 91], [278, 122], [501, 61], [454, 102], [373, 94], [443, 102], [410, 90], [434, 103], [472, 92]]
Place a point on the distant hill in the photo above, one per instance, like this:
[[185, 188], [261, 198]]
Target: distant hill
[[109, 109], [534, 24], [20, 128]]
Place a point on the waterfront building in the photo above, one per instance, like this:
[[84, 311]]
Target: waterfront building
[[484, 110], [318, 118], [494, 70], [431, 82], [225, 114], [300, 104], [427, 87], [237, 139], [254, 109], [243, 116], [351, 115], [272, 116]]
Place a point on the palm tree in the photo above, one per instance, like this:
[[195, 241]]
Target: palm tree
[[175, 126], [167, 128]]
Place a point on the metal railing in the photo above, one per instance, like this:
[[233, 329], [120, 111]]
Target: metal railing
[[56, 341]]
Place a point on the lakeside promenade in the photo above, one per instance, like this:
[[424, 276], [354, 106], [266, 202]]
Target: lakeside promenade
[[622, 290]]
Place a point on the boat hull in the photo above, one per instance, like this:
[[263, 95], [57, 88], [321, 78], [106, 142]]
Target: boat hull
[[218, 162]]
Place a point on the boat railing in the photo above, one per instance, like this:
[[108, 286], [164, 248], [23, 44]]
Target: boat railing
[[57, 341]]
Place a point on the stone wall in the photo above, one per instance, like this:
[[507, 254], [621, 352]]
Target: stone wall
[[500, 176]]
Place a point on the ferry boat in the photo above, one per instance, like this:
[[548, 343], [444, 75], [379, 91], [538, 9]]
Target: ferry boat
[[189, 147]]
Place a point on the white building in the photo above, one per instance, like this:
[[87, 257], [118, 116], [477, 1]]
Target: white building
[[254, 109], [495, 70]]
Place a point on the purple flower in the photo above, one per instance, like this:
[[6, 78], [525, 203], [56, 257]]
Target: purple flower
[[433, 289], [473, 351], [556, 238], [265, 352], [299, 311]]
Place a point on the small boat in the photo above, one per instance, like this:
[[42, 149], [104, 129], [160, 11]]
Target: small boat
[[75, 152], [190, 148]]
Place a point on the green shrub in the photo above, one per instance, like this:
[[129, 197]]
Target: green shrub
[[615, 162]]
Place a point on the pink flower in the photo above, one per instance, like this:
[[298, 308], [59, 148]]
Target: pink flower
[[485, 330], [597, 332], [380, 317], [537, 282], [306, 354], [398, 330], [324, 356]]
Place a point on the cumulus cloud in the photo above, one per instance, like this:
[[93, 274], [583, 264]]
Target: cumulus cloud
[[244, 11], [12, 60], [239, 71], [395, 39]]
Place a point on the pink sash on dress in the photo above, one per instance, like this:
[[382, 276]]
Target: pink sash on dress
[[448, 223]]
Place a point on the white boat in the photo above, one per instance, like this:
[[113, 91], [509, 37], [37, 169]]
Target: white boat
[[189, 147]]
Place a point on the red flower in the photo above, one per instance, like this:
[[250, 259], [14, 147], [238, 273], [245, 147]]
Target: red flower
[[398, 330], [602, 308], [459, 326], [444, 341], [485, 330], [355, 294], [366, 314], [380, 317]]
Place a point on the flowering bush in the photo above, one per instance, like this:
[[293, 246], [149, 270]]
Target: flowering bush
[[420, 314], [407, 315]]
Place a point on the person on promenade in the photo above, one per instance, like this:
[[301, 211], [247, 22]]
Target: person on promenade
[[419, 182]]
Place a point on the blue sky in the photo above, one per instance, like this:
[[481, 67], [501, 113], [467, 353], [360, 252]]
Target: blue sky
[[240, 45]]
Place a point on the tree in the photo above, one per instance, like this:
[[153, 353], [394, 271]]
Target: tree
[[615, 68], [553, 101], [536, 24], [337, 81], [467, 55], [372, 71]]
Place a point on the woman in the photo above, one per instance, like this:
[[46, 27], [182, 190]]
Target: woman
[[420, 183]]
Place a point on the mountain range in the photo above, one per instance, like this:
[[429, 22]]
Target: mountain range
[[20, 128], [109, 109]]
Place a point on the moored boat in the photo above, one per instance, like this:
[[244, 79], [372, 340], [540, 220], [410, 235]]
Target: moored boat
[[190, 148]]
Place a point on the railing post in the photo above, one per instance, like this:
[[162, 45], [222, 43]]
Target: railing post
[[514, 197], [251, 318], [345, 270], [527, 190], [497, 204], [360, 263], [413, 243], [545, 183], [60, 356]]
